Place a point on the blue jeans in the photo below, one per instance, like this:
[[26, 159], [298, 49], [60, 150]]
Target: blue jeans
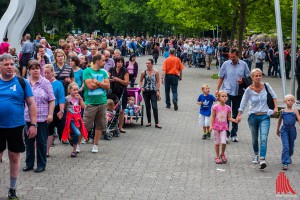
[[171, 82], [234, 102], [260, 124], [195, 58], [288, 136], [41, 146], [76, 132]]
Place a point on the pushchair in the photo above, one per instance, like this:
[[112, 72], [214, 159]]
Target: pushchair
[[201, 61], [112, 127], [136, 93]]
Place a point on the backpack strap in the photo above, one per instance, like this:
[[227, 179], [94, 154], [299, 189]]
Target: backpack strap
[[22, 83]]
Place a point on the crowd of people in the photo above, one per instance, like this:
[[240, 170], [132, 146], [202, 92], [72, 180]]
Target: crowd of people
[[66, 87]]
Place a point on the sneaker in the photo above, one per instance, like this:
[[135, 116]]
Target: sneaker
[[255, 159], [262, 164], [12, 194], [204, 136], [73, 155], [208, 135], [78, 149], [95, 149], [234, 139]]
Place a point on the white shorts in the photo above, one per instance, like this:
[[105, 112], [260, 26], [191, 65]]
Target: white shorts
[[204, 120]]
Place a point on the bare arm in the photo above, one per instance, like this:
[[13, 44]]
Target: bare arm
[[220, 82], [212, 119], [279, 124], [50, 111], [32, 131], [141, 81], [163, 74], [230, 118]]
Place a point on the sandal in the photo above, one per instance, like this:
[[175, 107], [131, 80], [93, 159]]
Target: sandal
[[285, 167], [223, 158], [158, 126], [218, 160], [73, 154], [147, 125]]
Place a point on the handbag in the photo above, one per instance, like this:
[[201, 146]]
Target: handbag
[[247, 81], [270, 101]]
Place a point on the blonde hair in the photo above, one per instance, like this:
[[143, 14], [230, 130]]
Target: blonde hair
[[61, 52], [50, 66], [204, 86], [71, 86], [110, 104], [254, 71], [288, 96], [220, 93]]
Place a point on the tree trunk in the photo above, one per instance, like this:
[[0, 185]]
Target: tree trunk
[[242, 22], [233, 28]]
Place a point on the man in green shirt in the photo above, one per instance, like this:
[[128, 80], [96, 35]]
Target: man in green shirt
[[96, 83]]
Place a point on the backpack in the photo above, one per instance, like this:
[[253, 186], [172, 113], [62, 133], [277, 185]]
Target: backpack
[[23, 84]]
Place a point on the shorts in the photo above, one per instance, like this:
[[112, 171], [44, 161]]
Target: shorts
[[14, 139], [204, 120], [220, 136], [209, 58], [95, 114]]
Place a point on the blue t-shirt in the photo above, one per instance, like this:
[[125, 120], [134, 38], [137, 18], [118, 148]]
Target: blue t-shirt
[[59, 92], [12, 103], [207, 101], [119, 42], [78, 77]]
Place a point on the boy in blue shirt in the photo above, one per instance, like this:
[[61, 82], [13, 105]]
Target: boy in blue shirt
[[205, 101]]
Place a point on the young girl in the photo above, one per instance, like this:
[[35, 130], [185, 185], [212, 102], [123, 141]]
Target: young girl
[[74, 124], [110, 109], [288, 133], [218, 125], [205, 101], [131, 109]]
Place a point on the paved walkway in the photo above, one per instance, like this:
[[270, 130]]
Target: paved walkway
[[171, 163]]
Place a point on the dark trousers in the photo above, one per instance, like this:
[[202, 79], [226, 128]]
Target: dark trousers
[[150, 98], [275, 68], [298, 89], [41, 146], [271, 64], [171, 82], [56, 123], [131, 80], [259, 66], [234, 102]]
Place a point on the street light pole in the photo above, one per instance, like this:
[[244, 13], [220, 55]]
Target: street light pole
[[294, 44], [280, 45]]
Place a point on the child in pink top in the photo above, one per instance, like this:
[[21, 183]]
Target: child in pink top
[[221, 113]]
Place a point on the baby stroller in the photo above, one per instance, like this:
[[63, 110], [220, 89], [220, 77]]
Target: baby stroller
[[136, 93], [112, 127], [201, 61]]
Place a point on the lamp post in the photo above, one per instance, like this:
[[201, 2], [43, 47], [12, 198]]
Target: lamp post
[[294, 44]]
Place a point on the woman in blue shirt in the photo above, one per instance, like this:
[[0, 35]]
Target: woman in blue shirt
[[78, 72], [59, 94], [259, 114]]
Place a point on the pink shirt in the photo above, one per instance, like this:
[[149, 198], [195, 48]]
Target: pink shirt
[[220, 121], [130, 68]]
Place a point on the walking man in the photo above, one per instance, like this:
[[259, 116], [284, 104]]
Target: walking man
[[95, 85], [171, 73], [13, 91], [230, 76]]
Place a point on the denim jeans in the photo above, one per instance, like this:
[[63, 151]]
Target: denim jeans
[[195, 58], [41, 146], [75, 132], [171, 82], [259, 124], [234, 102], [288, 135], [150, 98]]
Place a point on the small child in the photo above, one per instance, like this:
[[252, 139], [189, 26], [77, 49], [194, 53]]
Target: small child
[[131, 109], [288, 132], [218, 125], [205, 101], [74, 126], [110, 109]]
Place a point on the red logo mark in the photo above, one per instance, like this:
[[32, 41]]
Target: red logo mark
[[283, 184]]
